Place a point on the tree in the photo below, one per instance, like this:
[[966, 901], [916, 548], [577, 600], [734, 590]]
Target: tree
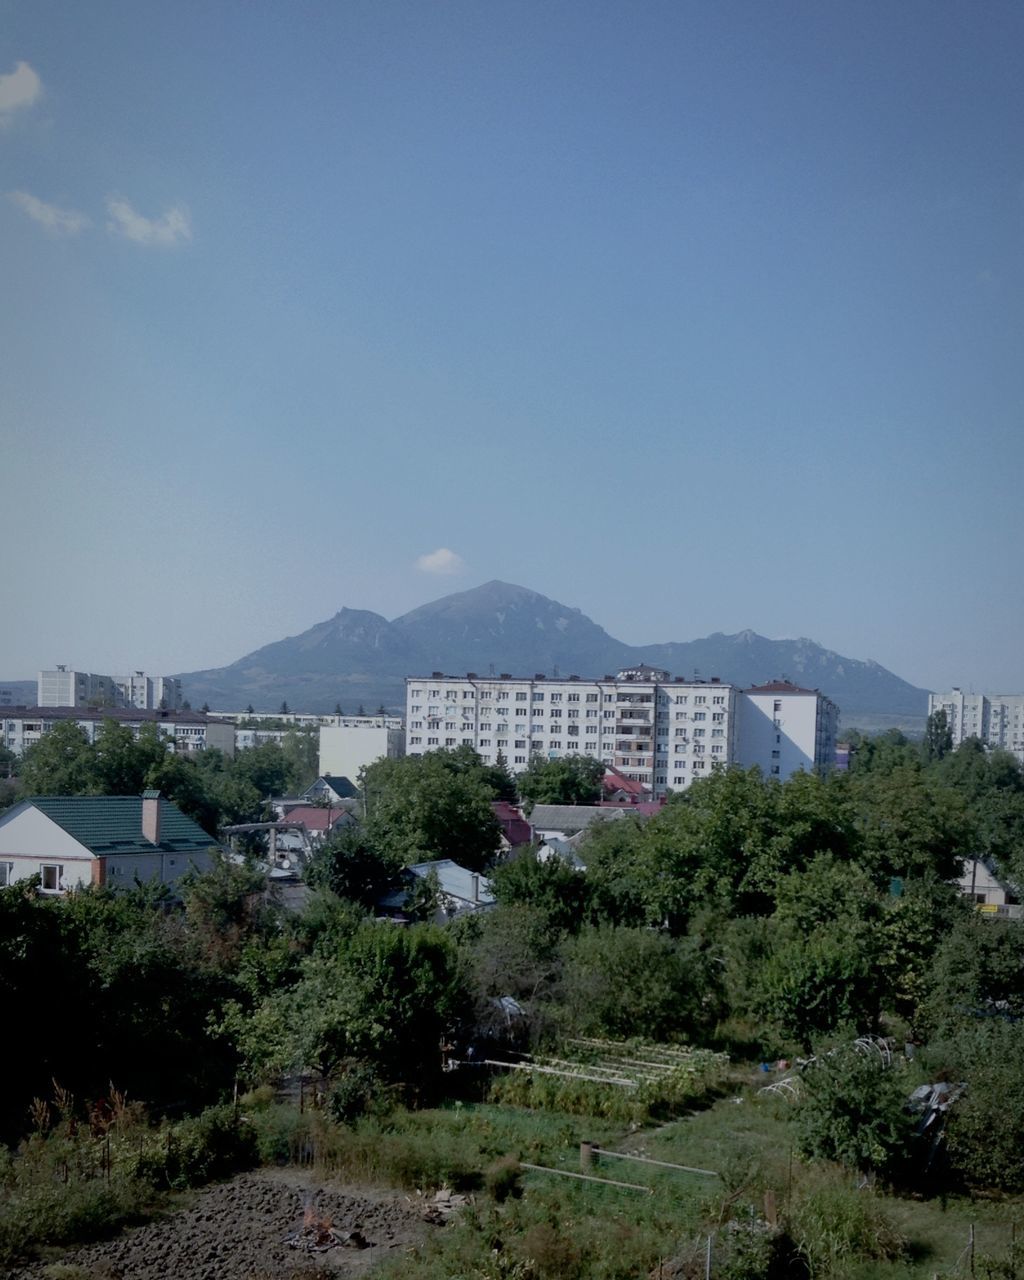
[[61, 763], [250, 710], [205, 708], [553, 888], [938, 737], [123, 761], [349, 865], [284, 709], [431, 806], [337, 709], [499, 778], [567, 780]]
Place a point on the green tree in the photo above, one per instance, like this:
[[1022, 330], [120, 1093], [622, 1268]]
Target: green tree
[[938, 737], [123, 760], [553, 888], [349, 864], [432, 806], [61, 763], [567, 780], [624, 982]]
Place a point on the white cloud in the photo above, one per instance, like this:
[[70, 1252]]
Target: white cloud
[[20, 88], [174, 227], [62, 222], [441, 561]]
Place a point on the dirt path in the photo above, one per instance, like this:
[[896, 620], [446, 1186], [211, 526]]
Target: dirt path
[[237, 1231]]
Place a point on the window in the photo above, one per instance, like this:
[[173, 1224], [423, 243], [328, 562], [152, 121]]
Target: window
[[415, 693], [591, 715], [698, 733], [718, 702], [700, 700], [503, 697], [573, 713], [681, 699], [775, 768], [467, 693], [416, 724], [520, 697], [556, 746], [556, 697], [556, 711], [718, 733], [573, 697], [449, 742], [700, 715], [775, 755], [467, 742], [608, 715], [538, 697], [718, 716], [415, 740], [485, 728], [778, 705], [51, 876], [520, 744], [591, 697], [520, 760]]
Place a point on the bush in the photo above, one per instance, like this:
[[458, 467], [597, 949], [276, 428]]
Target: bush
[[215, 1144], [853, 1110]]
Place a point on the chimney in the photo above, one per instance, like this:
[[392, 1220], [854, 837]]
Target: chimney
[[151, 816], [475, 878]]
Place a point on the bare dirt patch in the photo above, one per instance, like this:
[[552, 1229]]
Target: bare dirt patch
[[241, 1230]]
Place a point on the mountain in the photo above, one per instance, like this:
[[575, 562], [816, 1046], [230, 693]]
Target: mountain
[[358, 657]]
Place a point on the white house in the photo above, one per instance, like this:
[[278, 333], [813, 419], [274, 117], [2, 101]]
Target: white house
[[185, 731], [73, 841]]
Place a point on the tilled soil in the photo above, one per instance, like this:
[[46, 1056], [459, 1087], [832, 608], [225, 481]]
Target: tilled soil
[[238, 1231]]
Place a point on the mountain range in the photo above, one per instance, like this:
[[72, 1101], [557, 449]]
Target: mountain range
[[358, 658]]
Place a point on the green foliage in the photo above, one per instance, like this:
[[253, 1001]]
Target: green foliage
[[61, 763], [984, 1126], [834, 1224], [437, 805], [938, 737], [350, 865], [978, 972], [553, 888], [852, 1110], [567, 780], [625, 982]]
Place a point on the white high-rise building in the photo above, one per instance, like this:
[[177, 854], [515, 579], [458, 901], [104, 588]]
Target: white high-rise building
[[783, 728], [653, 729], [996, 719], [66, 688]]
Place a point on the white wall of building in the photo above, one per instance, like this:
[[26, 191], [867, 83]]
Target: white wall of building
[[346, 749]]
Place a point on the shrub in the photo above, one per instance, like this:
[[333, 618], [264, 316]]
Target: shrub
[[853, 1111]]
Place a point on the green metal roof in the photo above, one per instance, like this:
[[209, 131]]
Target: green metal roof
[[113, 824]]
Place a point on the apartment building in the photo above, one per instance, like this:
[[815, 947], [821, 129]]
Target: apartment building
[[996, 719], [783, 728], [64, 687], [656, 730], [185, 731], [653, 728]]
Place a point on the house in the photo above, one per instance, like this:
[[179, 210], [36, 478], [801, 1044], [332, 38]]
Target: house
[[331, 788], [992, 896], [73, 841], [311, 824], [616, 788], [562, 820], [458, 890], [515, 830]]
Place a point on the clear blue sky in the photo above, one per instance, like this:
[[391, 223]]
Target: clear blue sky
[[695, 316]]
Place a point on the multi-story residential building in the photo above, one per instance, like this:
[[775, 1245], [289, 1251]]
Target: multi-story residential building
[[148, 693], [654, 729], [185, 731], [783, 728], [996, 719], [64, 687]]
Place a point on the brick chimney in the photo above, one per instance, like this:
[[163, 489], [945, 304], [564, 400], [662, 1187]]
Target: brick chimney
[[151, 816]]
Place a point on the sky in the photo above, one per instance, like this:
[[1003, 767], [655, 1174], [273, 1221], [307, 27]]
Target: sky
[[694, 316]]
